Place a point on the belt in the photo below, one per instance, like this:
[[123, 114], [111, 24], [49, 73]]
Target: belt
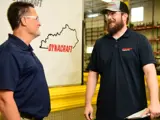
[[24, 115]]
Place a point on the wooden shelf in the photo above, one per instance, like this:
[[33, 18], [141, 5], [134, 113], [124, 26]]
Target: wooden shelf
[[154, 40], [157, 53], [145, 28]]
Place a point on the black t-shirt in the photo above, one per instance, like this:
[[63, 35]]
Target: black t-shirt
[[120, 64], [22, 73]]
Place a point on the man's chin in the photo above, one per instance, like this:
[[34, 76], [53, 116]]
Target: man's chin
[[38, 34], [111, 26], [112, 30]]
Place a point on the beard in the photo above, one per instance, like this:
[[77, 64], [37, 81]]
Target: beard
[[113, 29]]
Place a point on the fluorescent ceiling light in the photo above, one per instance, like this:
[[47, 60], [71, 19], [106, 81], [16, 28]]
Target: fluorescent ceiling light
[[110, 0], [107, 0], [93, 15]]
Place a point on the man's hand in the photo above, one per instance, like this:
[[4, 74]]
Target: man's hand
[[153, 87], [91, 85], [153, 110], [88, 113]]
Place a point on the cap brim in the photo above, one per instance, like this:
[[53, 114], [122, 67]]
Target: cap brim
[[104, 11]]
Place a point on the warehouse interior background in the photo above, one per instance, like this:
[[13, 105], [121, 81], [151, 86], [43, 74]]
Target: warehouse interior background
[[144, 18]]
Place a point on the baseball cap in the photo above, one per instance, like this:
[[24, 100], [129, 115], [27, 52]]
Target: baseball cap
[[117, 6]]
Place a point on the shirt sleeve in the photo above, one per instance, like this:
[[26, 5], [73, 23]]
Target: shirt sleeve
[[93, 64], [9, 73], [146, 52]]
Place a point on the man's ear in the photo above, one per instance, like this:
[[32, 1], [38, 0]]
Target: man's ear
[[23, 21], [125, 16]]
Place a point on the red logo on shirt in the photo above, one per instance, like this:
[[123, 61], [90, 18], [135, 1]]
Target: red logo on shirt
[[126, 49]]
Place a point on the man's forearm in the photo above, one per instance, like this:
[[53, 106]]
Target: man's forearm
[[91, 85], [153, 87], [9, 110]]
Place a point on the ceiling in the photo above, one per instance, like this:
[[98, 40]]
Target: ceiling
[[95, 6]]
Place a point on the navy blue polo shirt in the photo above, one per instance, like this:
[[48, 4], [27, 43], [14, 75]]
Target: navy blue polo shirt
[[22, 73], [120, 64]]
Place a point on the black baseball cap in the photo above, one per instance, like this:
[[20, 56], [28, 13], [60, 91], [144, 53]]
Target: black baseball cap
[[117, 6]]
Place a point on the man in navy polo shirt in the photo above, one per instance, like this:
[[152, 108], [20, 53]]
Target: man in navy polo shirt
[[23, 89], [122, 58]]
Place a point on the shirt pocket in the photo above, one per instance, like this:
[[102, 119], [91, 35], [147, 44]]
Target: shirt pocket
[[128, 54]]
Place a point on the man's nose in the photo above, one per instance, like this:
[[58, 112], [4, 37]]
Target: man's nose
[[39, 24]]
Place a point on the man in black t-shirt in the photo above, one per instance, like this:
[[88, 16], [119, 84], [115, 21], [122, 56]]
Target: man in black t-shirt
[[122, 58]]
